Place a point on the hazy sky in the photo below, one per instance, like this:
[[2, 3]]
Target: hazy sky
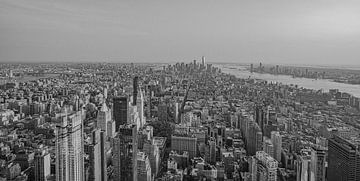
[[271, 31]]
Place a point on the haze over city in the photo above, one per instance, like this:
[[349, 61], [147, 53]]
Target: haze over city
[[278, 31], [164, 90]]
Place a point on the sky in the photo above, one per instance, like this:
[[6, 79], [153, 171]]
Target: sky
[[238, 31]]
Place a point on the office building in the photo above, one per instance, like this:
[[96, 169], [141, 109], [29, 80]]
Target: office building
[[103, 117], [163, 112], [203, 63], [70, 148], [125, 153], [268, 147], [344, 160], [303, 167], [143, 169], [120, 111], [266, 167], [253, 138], [135, 90], [153, 152], [140, 106], [42, 165], [318, 161], [276, 140], [111, 129], [184, 143], [97, 156], [211, 151]]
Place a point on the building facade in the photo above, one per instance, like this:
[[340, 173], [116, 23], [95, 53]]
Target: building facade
[[70, 148]]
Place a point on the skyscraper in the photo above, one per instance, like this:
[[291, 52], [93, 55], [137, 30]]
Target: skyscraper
[[111, 129], [103, 117], [153, 152], [318, 159], [253, 137], [135, 90], [303, 167], [163, 112], [97, 156], [120, 110], [143, 169], [125, 153], [105, 92], [70, 148], [176, 112], [212, 151], [276, 139], [268, 146], [42, 165], [344, 160]]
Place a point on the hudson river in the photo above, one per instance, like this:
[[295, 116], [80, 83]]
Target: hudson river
[[324, 84]]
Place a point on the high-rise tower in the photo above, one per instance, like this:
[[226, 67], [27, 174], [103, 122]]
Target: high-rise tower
[[70, 148], [97, 156], [135, 89], [318, 159], [344, 160], [103, 117], [120, 110], [276, 139], [42, 165], [125, 153]]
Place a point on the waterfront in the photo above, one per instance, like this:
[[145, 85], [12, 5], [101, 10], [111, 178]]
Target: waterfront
[[26, 78], [324, 84]]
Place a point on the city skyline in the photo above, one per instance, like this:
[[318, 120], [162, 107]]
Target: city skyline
[[276, 32], [235, 90]]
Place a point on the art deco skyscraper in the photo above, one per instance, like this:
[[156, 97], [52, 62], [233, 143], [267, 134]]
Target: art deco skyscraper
[[103, 117], [70, 148]]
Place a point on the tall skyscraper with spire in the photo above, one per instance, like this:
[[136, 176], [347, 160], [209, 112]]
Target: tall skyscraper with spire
[[70, 148], [103, 117]]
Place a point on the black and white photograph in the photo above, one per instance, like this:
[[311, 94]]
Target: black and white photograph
[[179, 90]]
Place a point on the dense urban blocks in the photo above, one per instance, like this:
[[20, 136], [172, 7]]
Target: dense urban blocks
[[182, 121]]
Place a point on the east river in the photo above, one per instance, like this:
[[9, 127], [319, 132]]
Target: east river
[[324, 84]]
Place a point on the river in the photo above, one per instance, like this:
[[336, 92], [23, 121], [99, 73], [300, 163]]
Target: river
[[324, 84]]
